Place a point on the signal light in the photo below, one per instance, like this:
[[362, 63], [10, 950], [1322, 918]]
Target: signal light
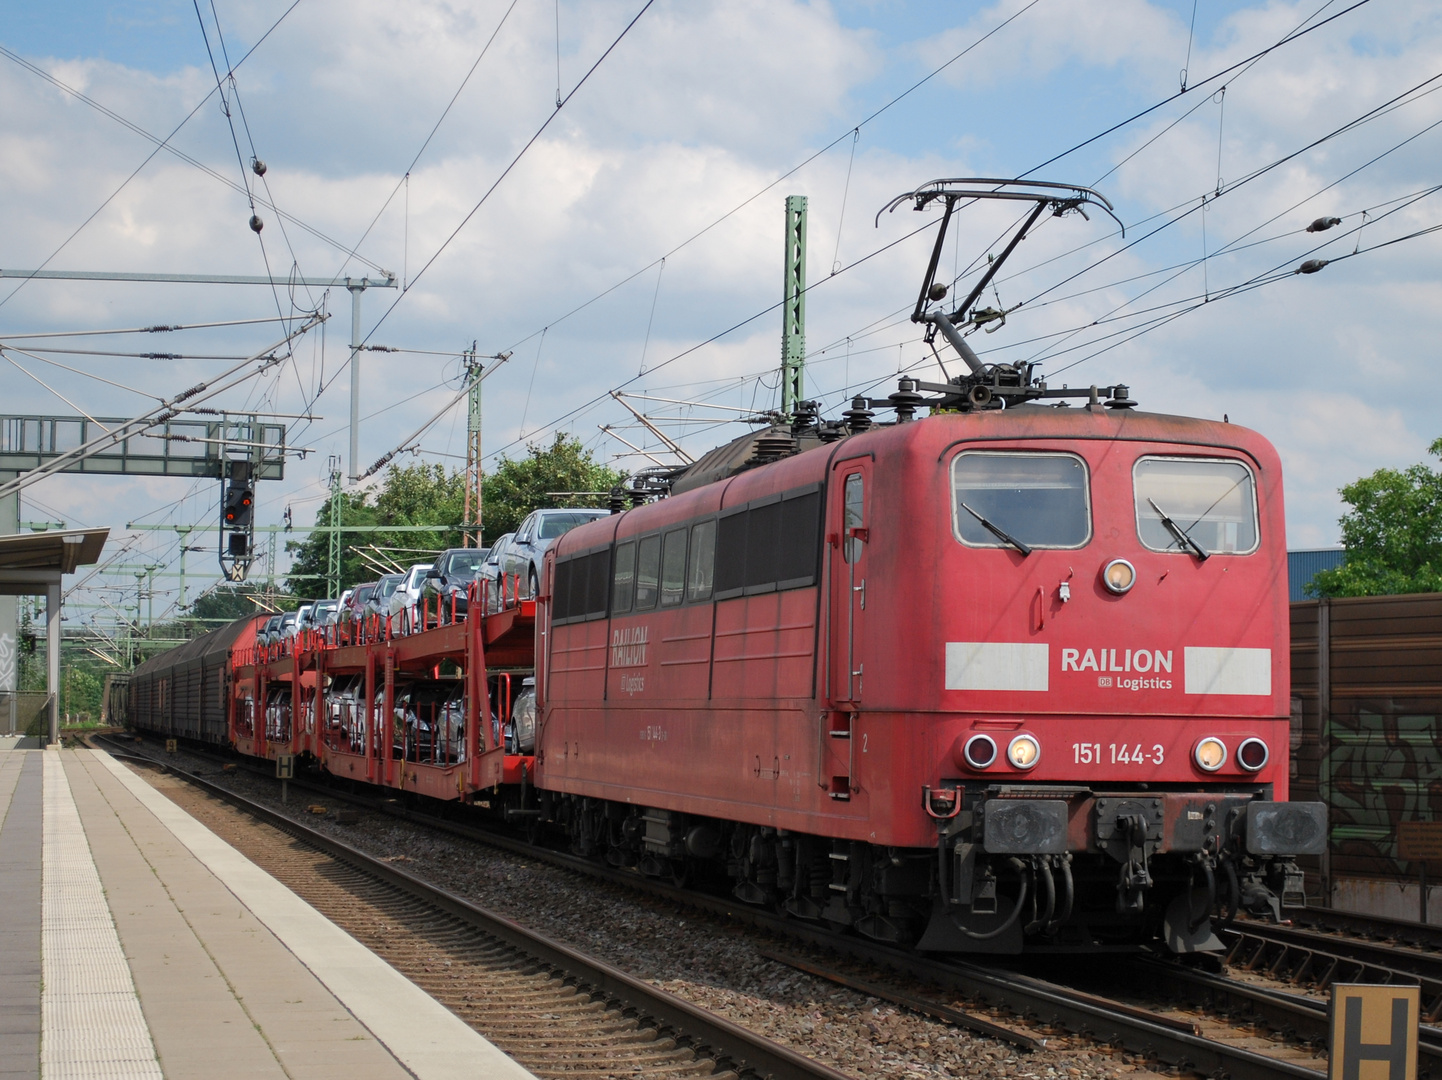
[[239, 507], [1252, 754], [979, 751], [1210, 754], [1023, 752]]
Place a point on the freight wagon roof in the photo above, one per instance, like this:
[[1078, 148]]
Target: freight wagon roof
[[217, 641]]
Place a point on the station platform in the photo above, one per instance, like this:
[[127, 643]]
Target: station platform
[[135, 943]]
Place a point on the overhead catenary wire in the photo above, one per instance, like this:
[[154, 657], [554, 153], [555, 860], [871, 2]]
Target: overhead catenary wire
[[1248, 178], [160, 144], [86, 374], [158, 329], [1250, 60], [202, 391], [793, 170], [485, 197], [355, 248]]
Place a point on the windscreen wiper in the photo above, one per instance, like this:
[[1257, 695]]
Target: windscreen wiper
[[1183, 537], [996, 531]]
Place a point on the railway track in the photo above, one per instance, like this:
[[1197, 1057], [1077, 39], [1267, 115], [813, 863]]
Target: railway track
[[1372, 927], [1295, 1016], [1177, 1043], [559, 1013], [1308, 957]]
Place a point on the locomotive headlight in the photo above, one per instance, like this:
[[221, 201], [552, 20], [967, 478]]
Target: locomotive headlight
[[1023, 751], [1119, 576], [979, 751], [1252, 754], [1210, 754]]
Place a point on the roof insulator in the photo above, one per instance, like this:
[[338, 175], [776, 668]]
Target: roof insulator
[[1311, 266], [1322, 224]]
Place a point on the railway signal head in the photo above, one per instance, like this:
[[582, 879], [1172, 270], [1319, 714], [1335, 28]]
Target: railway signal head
[[239, 506]]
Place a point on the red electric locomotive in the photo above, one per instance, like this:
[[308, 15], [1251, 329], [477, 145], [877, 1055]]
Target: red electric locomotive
[[1015, 672]]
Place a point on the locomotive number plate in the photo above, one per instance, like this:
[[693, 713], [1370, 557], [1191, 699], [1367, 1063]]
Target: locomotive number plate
[[1116, 754]]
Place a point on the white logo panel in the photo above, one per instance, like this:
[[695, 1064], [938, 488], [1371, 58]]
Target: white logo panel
[[1228, 671], [996, 665]]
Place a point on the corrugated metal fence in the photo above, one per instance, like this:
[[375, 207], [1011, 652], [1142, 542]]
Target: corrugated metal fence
[[1366, 701]]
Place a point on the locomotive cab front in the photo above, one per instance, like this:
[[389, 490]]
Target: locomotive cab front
[[1074, 663]]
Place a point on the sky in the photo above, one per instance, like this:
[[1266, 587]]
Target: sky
[[632, 238]]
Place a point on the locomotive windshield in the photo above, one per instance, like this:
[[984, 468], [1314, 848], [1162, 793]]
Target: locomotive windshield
[[1212, 504], [1039, 500]]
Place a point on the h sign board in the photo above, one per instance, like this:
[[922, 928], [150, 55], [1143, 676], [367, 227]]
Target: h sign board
[[285, 766], [1374, 1032]]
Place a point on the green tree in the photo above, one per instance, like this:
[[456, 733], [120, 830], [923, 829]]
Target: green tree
[[312, 555], [519, 486], [80, 691], [1393, 534], [418, 494]]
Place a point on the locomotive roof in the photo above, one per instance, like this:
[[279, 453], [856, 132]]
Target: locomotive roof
[[1030, 420], [941, 431], [216, 641]]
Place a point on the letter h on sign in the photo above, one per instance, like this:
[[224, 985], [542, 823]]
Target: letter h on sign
[[1390, 1035]]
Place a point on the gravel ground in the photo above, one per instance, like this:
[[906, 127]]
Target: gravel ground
[[702, 959]]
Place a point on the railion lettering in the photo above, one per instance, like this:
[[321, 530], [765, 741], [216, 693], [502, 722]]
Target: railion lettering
[[628, 646], [1121, 660]]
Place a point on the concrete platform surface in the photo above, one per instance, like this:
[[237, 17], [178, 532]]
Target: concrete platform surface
[[137, 943]]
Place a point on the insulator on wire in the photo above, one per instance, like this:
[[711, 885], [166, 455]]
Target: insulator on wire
[[255, 223], [1322, 224], [257, 166], [1311, 266]]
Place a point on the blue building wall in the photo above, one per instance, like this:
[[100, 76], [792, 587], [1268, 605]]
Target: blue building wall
[[1302, 566]]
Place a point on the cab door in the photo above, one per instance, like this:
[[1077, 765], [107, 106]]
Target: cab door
[[848, 535]]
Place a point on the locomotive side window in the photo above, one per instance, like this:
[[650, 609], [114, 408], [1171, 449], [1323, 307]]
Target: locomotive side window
[[800, 539], [1211, 504], [731, 553], [673, 568], [852, 511], [702, 566], [592, 602], [771, 543], [763, 536], [648, 570], [1039, 499], [624, 587], [561, 590]]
